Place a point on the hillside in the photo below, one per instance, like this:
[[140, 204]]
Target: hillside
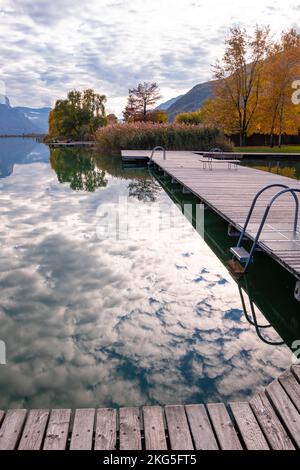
[[22, 120], [192, 100]]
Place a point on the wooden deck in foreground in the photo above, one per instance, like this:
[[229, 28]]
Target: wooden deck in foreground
[[230, 192], [271, 420]]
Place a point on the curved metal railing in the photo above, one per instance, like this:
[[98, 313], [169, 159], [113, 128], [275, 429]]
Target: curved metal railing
[[265, 216], [153, 152]]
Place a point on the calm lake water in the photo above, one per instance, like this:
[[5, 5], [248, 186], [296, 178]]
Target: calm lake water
[[283, 167], [94, 319]]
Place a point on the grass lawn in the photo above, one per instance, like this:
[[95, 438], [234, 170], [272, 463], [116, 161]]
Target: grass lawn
[[283, 149]]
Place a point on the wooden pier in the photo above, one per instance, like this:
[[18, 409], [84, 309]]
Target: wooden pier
[[230, 192], [270, 420]]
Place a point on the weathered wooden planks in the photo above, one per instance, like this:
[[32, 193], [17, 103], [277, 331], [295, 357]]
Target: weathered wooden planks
[[291, 386], [154, 428], [57, 430], [202, 432], [296, 372], [106, 429], [285, 409], [178, 428], [83, 427], [11, 429], [34, 430], [130, 433], [248, 426], [273, 430], [223, 427]]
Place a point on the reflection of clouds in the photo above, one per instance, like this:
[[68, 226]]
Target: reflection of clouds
[[106, 322]]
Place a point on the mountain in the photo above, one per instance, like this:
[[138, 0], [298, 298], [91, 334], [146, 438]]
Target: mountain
[[166, 105], [192, 100], [37, 116], [21, 120]]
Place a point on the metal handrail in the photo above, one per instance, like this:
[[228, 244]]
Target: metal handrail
[[154, 150], [253, 206], [266, 213], [254, 322]]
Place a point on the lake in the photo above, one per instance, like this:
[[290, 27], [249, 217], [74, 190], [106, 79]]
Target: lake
[[111, 296]]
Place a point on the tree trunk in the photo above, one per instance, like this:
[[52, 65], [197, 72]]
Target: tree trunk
[[279, 140], [272, 140]]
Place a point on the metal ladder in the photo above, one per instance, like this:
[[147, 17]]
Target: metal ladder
[[239, 252], [253, 320], [153, 152]]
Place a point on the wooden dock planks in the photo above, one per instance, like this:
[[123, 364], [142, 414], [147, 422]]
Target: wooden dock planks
[[230, 193], [154, 428], [270, 420], [57, 430], [178, 428], [106, 429]]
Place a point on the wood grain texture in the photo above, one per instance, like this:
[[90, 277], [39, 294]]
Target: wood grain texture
[[178, 428], [83, 427], [285, 409], [57, 430], [223, 426], [11, 429], [291, 386], [248, 426], [130, 433], [296, 371], [274, 432], [33, 433], [202, 432], [154, 428], [106, 429]]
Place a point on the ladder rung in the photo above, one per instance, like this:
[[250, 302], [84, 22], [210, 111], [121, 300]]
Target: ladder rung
[[240, 254]]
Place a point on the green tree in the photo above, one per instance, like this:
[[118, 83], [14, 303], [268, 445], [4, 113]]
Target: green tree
[[78, 117]]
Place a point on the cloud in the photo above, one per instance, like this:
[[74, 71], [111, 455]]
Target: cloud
[[48, 48]]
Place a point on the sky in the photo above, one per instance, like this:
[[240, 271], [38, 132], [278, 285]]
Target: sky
[[50, 47]]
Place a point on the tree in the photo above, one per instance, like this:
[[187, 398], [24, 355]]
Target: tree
[[140, 101], [77, 117], [111, 119], [239, 73], [277, 115], [192, 118]]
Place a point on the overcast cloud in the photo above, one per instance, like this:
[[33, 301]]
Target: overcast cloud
[[49, 47]]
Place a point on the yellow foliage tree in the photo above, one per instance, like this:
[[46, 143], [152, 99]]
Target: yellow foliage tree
[[277, 115]]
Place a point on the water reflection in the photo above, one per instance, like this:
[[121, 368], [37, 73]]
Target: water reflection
[[91, 322], [78, 168], [285, 167]]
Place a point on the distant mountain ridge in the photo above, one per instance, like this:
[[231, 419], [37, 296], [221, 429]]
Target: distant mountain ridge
[[22, 120], [192, 100], [166, 105]]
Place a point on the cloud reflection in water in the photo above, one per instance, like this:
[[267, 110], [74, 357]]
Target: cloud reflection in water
[[91, 322]]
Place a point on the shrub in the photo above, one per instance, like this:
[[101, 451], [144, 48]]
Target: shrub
[[192, 118], [145, 136]]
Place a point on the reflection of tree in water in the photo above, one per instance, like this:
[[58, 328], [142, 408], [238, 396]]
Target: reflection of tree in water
[[146, 190], [77, 167]]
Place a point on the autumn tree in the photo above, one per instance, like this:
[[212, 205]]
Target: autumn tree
[[141, 101], [192, 118], [277, 115], [78, 116], [238, 87]]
